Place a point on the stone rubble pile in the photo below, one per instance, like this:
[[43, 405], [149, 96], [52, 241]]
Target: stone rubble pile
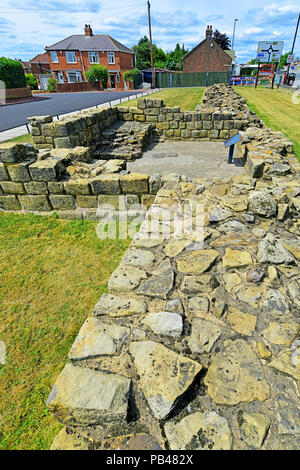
[[124, 141], [223, 98]]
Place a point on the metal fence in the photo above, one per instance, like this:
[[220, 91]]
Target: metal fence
[[182, 79]]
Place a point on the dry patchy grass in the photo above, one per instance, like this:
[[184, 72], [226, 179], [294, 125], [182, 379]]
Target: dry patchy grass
[[52, 273]]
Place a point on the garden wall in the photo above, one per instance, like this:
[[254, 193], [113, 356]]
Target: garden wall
[[79, 87]]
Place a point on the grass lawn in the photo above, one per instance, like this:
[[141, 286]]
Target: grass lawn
[[277, 110], [22, 139], [52, 274], [186, 98]]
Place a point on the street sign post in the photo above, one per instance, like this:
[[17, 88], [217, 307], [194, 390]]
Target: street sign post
[[290, 59], [231, 143], [269, 51]]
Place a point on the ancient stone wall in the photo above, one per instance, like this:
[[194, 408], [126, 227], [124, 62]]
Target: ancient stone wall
[[195, 345], [222, 114], [65, 180], [80, 129]]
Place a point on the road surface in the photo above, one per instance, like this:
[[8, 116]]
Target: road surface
[[15, 115]]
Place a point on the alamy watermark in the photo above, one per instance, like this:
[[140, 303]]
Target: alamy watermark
[[296, 97], [180, 221], [2, 92], [2, 353]]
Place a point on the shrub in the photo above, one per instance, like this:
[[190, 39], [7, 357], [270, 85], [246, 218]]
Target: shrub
[[97, 73], [31, 81], [12, 73], [130, 74], [51, 85]]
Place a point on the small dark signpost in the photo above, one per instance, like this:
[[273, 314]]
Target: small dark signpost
[[230, 143]]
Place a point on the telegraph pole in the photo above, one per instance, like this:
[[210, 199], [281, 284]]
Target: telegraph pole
[[235, 21], [151, 49], [287, 75]]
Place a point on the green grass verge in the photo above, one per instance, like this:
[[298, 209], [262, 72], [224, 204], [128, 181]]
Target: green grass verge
[[22, 139], [52, 274], [186, 98], [277, 111]]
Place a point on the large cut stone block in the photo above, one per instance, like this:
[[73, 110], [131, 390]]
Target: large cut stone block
[[97, 338], [35, 203], [10, 187], [135, 183], [61, 201], [116, 306], [106, 184], [36, 187], [19, 173], [10, 152], [80, 186], [3, 173], [85, 397], [164, 375], [49, 169], [9, 203]]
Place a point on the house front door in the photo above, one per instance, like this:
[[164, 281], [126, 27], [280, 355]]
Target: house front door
[[61, 77], [112, 81]]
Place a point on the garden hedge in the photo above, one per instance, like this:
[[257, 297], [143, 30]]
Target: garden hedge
[[12, 73]]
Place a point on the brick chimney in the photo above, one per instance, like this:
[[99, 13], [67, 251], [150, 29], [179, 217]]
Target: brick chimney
[[88, 30], [209, 32]]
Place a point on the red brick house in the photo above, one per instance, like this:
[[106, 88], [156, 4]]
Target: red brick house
[[208, 55], [72, 57]]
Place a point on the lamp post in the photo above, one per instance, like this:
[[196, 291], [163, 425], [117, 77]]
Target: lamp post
[[235, 21]]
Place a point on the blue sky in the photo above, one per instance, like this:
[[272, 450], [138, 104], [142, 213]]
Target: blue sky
[[27, 27]]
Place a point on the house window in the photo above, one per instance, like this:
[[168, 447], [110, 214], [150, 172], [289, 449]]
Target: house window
[[71, 57], [74, 77], [118, 77], [54, 58], [111, 57], [93, 57]]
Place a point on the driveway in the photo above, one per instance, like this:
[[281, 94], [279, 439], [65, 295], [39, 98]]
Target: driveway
[[15, 115]]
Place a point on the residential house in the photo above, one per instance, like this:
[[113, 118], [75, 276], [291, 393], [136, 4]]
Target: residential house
[[73, 56], [208, 56], [40, 67]]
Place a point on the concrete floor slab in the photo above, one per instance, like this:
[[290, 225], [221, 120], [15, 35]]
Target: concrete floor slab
[[195, 159]]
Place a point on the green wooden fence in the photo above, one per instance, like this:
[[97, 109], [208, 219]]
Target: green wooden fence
[[181, 79]]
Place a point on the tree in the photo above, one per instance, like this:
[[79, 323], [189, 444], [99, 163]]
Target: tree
[[31, 81], [222, 39], [143, 58], [51, 85], [129, 74], [283, 61], [97, 73], [174, 59]]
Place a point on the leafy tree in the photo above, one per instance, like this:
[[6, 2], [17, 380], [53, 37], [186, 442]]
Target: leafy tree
[[222, 39], [283, 61], [51, 85], [129, 74], [143, 57], [174, 59], [31, 81], [97, 73]]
